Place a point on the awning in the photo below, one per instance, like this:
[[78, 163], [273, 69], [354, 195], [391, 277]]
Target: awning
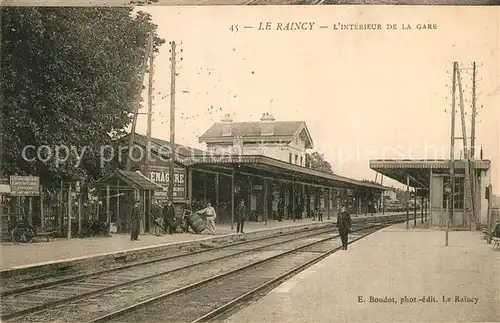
[[279, 170], [419, 170]]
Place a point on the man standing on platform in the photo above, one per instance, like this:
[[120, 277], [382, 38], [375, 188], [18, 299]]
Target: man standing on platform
[[169, 217], [158, 218], [241, 214], [344, 225], [188, 209], [209, 211], [320, 212], [136, 220], [281, 210]]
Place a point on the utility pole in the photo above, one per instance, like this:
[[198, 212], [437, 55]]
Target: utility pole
[[472, 146], [450, 202], [149, 48], [150, 113], [467, 186], [172, 121], [473, 124]]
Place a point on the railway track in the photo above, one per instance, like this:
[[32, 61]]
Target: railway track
[[370, 2], [208, 299], [96, 297], [15, 286], [287, 2], [34, 296]]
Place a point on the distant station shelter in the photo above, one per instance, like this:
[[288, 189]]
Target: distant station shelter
[[432, 177]]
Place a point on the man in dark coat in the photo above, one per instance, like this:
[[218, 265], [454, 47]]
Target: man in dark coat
[[136, 220], [299, 208], [169, 217], [344, 225], [289, 209], [188, 210], [156, 212], [241, 214], [281, 209]]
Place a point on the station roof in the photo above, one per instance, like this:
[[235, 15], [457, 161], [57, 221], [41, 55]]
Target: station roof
[[278, 169], [256, 164], [419, 169], [251, 131], [134, 179]]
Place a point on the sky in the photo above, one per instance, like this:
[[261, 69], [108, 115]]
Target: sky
[[364, 94]]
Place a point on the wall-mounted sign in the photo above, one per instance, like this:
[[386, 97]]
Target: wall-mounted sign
[[160, 175], [257, 187], [25, 185]]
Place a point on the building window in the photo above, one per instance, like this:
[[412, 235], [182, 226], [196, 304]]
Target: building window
[[296, 159], [301, 160], [459, 193], [290, 158]]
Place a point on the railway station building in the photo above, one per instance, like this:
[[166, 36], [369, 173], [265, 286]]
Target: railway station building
[[430, 177], [260, 163]]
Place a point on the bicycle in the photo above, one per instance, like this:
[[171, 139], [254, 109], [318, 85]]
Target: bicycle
[[21, 232]]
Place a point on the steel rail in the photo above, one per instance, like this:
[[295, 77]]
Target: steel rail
[[269, 284], [43, 306], [147, 262], [148, 302]]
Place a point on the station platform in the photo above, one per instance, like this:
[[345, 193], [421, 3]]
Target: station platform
[[457, 283], [42, 253]]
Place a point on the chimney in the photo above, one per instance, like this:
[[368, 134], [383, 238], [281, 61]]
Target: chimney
[[226, 125], [267, 124]]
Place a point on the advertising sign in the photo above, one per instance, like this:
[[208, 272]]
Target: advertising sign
[[25, 185], [160, 175]]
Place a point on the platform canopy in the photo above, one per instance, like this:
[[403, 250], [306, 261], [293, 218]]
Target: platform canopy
[[273, 168], [419, 170]]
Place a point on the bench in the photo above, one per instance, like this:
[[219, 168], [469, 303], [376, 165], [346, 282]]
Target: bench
[[46, 234]]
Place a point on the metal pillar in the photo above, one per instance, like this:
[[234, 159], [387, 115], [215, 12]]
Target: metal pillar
[[407, 201], [415, 208], [422, 209], [232, 200]]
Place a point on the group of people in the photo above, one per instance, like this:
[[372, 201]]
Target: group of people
[[299, 209], [165, 220]]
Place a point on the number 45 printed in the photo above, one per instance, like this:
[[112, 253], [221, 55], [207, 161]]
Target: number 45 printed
[[234, 28]]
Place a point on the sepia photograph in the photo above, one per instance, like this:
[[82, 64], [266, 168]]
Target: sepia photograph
[[234, 162]]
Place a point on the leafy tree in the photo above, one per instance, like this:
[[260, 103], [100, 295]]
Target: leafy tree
[[69, 76], [317, 162]]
